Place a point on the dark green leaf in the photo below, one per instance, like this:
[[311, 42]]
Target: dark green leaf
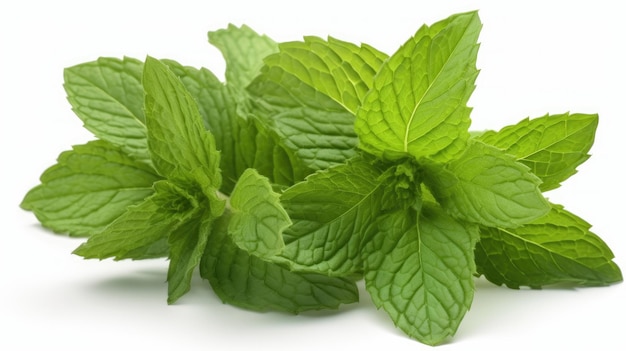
[[248, 281]]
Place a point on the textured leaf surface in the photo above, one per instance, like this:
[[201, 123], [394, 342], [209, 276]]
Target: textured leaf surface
[[258, 218], [107, 95], [418, 102], [340, 70], [318, 130], [179, 144], [420, 271], [552, 145], [217, 105], [187, 244], [140, 233], [332, 212], [244, 50], [486, 186], [248, 281], [556, 248], [88, 188]]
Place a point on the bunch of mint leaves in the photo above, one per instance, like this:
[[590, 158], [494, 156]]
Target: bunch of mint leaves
[[319, 163]]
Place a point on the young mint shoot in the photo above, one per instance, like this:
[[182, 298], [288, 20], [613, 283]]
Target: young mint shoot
[[319, 163]]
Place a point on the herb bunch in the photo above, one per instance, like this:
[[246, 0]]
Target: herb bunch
[[319, 163]]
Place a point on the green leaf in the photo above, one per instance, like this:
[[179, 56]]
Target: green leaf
[[258, 218], [244, 50], [552, 145], [140, 233], [248, 281], [187, 244], [180, 146], [419, 269], [88, 188], [486, 186], [338, 69], [332, 212], [107, 95], [259, 147], [319, 131], [418, 102], [556, 248]]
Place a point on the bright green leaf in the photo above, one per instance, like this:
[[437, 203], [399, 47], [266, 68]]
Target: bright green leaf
[[218, 106], [107, 95], [419, 269], [248, 281], [88, 188], [180, 146], [418, 103], [556, 248], [486, 186], [140, 233], [332, 212], [552, 145], [343, 71], [258, 218], [315, 128], [244, 50]]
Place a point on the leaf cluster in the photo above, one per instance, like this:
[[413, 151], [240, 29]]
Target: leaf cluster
[[318, 163]]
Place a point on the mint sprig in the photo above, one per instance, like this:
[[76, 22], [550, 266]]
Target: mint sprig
[[316, 164]]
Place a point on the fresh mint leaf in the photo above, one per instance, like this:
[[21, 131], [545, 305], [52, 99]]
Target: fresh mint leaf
[[140, 233], [340, 70], [258, 219], [107, 95], [419, 268], [241, 69], [556, 248], [88, 188], [332, 212], [218, 106], [248, 281], [487, 186], [552, 145], [180, 146], [417, 105], [187, 243], [310, 125]]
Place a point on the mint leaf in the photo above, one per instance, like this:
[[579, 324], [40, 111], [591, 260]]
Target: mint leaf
[[88, 188], [332, 212], [217, 105], [418, 103], [419, 269], [241, 69], [248, 281], [179, 144], [552, 145], [486, 186], [556, 248], [342, 71], [107, 95], [140, 233], [316, 129], [187, 244], [258, 219]]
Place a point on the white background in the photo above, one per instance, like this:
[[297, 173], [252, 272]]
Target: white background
[[536, 57]]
